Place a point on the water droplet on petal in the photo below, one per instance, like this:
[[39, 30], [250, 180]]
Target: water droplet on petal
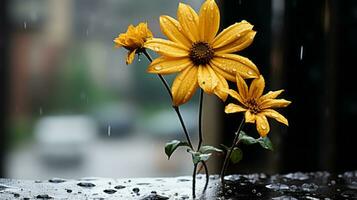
[[158, 68], [263, 127], [250, 73]]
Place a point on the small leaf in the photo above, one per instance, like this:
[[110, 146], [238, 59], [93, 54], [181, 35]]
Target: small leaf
[[266, 143], [246, 139], [236, 155], [224, 147], [198, 156], [210, 149], [170, 147]]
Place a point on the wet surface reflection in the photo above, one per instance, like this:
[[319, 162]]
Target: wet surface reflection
[[318, 185]]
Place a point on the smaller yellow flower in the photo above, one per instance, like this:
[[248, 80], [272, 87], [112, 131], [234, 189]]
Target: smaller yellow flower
[[133, 40], [257, 107]]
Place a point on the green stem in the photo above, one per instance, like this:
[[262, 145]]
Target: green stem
[[200, 138], [207, 175], [194, 181], [176, 108], [163, 80], [229, 152]]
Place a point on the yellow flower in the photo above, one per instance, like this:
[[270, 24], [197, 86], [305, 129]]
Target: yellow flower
[[202, 58], [133, 40], [257, 107]]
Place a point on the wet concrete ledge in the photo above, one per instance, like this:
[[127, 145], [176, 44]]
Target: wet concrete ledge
[[317, 185]]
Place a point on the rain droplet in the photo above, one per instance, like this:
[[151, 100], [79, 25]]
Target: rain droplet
[[87, 32], [238, 35], [301, 52], [250, 73], [164, 19], [234, 69], [25, 25], [263, 127], [156, 48], [109, 130], [40, 111], [158, 68]]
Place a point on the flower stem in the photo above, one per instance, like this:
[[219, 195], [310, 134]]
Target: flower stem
[[229, 152], [167, 87], [200, 138], [194, 181], [177, 109], [207, 175]]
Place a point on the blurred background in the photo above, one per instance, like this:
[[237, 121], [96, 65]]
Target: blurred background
[[71, 108]]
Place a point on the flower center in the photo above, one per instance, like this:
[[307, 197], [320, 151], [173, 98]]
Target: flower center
[[253, 106], [201, 53]]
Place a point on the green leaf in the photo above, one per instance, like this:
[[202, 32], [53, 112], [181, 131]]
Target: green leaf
[[246, 139], [170, 147], [266, 143], [210, 149], [198, 156], [224, 147], [236, 155]]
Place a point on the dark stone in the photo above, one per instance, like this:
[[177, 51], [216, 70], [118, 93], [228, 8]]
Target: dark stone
[[86, 184], [118, 187], [109, 191], [155, 197], [56, 180], [43, 196], [136, 190]]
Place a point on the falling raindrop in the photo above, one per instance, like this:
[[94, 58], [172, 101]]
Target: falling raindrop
[[239, 2], [139, 57], [41, 111], [109, 130], [301, 52], [25, 25], [87, 32]]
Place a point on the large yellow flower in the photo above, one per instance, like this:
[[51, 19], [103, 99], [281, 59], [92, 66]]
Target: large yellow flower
[[133, 40], [255, 105], [202, 58]]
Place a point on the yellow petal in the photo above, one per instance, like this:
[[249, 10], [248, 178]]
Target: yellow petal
[[271, 95], [249, 117], [226, 75], [262, 125], [242, 87], [233, 108], [184, 86], [167, 48], [164, 65], [173, 30], [234, 94], [275, 115], [233, 64], [232, 33], [239, 44], [257, 87], [209, 21], [207, 78], [274, 103], [222, 85], [130, 57], [189, 21]]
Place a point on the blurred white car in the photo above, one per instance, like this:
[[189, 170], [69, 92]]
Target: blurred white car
[[62, 140]]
